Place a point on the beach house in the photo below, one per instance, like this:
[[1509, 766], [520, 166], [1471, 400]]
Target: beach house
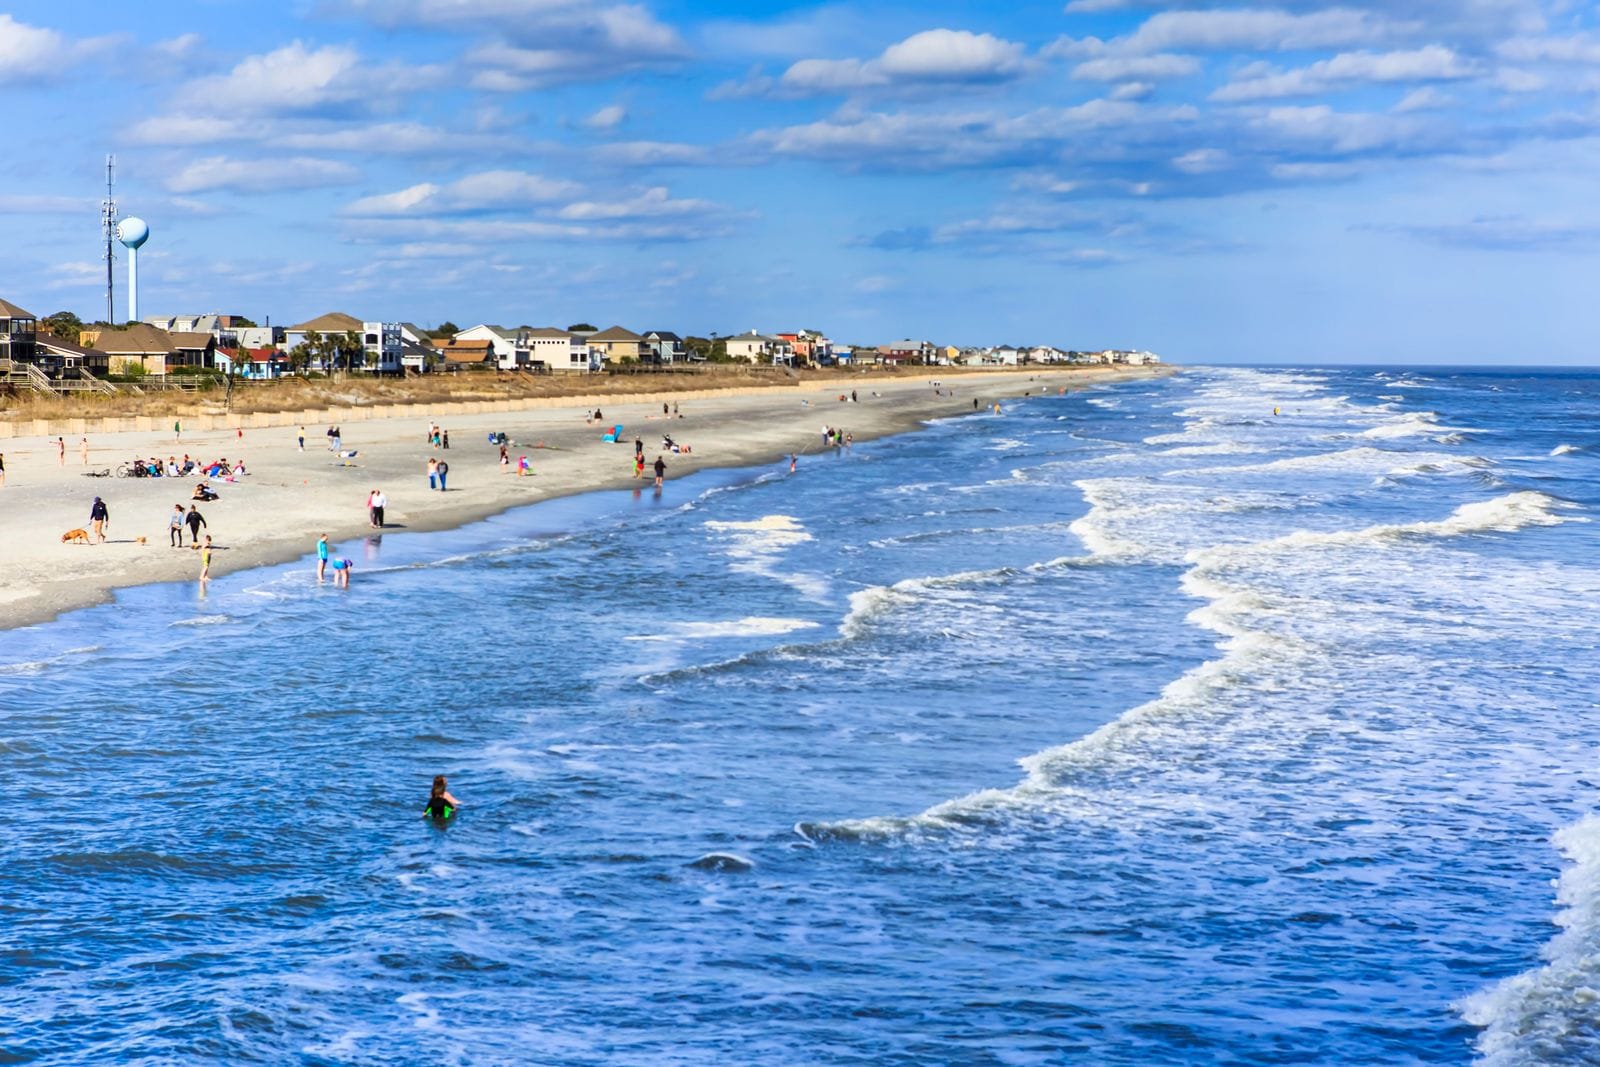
[[759, 348], [139, 349], [458, 355], [664, 346], [510, 346], [552, 351], [906, 351], [18, 333], [617, 344]]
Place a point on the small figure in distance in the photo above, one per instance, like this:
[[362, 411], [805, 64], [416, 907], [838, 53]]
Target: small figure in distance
[[441, 805]]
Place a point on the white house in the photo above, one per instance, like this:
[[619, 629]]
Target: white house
[[381, 343], [510, 346], [559, 352], [759, 348]]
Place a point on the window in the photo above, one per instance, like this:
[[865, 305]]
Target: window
[[372, 338]]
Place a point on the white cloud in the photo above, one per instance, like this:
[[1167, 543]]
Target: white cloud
[[488, 191], [1321, 128], [651, 203], [1426, 98], [1432, 63], [187, 130], [1148, 68], [33, 53], [1203, 161], [1260, 30], [607, 118], [298, 79], [23, 204], [1582, 48], [651, 153], [259, 175], [929, 57]]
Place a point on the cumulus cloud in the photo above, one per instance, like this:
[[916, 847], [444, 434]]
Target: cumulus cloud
[[1349, 69], [1140, 68], [33, 53], [652, 153], [651, 203], [488, 191], [607, 118], [297, 79], [932, 57], [259, 175], [536, 43]]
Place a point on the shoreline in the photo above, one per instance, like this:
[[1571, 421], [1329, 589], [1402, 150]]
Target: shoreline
[[266, 519]]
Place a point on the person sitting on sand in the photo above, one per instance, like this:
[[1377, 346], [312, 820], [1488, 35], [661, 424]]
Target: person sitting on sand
[[203, 491], [441, 805]]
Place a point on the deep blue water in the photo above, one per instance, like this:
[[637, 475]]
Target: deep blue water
[[1305, 707]]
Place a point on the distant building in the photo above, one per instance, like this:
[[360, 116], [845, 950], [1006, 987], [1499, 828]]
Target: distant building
[[559, 352], [382, 348], [19, 331], [759, 348], [456, 355], [907, 351], [618, 344], [663, 346], [334, 322], [510, 347], [140, 345]]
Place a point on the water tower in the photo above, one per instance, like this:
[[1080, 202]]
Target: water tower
[[133, 233]]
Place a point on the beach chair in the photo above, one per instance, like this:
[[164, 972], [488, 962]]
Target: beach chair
[[614, 436]]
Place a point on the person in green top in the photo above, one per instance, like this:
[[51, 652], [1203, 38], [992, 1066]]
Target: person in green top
[[441, 805]]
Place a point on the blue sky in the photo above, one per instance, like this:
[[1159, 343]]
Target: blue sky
[[1408, 181]]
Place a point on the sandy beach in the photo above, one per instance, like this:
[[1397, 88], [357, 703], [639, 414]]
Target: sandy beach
[[275, 513]]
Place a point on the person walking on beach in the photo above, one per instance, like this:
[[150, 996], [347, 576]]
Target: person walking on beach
[[61, 452], [372, 516], [83, 450], [638, 446], [638, 464], [661, 471], [444, 440], [300, 439], [444, 469], [175, 527], [99, 515], [2, 468], [205, 561], [329, 436], [195, 521], [433, 472], [441, 805], [322, 557], [505, 460], [379, 502], [177, 431]]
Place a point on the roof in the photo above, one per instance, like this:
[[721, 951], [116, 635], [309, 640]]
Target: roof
[[140, 339], [499, 331], [61, 346], [615, 333], [905, 345], [751, 336], [664, 335], [464, 351], [547, 331], [11, 311], [191, 340], [332, 322]]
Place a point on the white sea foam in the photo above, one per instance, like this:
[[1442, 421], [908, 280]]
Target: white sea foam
[[1565, 450], [1551, 1015], [757, 545], [750, 626], [1258, 646], [38, 665], [205, 620], [1362, 460]]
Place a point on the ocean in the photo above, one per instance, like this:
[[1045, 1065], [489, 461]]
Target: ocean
[[1136, 726]]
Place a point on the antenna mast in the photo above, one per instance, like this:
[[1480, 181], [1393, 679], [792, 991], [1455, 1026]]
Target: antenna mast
[[108, 223]]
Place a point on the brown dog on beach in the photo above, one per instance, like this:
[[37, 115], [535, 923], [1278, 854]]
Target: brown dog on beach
[[77, 537]]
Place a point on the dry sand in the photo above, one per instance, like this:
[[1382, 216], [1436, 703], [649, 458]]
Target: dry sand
[[275, 513]]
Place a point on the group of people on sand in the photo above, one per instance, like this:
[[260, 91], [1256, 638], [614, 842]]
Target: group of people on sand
[[438, 438], [833, 437]]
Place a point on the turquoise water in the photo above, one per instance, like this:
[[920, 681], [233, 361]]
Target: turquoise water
[[1304, 707]]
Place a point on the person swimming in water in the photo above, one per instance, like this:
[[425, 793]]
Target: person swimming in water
[[441, 805]]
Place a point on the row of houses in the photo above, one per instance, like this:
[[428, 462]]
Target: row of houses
[[337, 341]]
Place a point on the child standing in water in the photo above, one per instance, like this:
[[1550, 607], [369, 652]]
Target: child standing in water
[[441, 805]]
